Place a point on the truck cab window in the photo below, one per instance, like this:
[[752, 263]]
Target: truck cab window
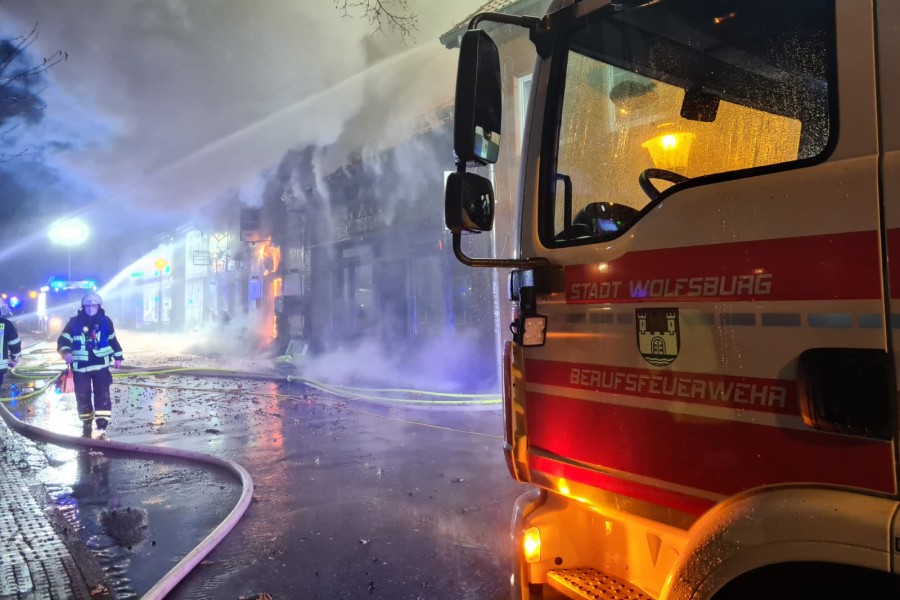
[[660, 95]]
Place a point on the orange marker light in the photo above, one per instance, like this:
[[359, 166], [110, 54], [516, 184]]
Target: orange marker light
[[531, 544]]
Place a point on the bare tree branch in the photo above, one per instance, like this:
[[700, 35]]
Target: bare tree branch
[[14, 48], [21, 83], [8, 156], [391, 14]]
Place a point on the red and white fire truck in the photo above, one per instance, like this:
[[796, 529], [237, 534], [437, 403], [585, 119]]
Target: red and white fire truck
[[701, 384]]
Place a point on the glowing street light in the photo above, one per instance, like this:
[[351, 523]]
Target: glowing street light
[[69, 233]]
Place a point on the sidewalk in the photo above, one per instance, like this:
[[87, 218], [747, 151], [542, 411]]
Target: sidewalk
[[35, 560]]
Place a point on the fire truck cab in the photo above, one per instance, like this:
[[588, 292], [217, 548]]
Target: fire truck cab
[[701, 381]]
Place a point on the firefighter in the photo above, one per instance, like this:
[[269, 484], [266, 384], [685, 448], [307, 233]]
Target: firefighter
[[88, 343], [9, 338]]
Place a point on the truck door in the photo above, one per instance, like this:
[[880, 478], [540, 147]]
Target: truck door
[[710, 182]]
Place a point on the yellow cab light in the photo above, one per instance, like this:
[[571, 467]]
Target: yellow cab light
[[670, 151], [531, 544]]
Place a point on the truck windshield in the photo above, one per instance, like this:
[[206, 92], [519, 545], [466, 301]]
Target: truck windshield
[[659, 95]]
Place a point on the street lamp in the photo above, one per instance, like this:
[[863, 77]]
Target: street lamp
[[161, 264], [69, 233]]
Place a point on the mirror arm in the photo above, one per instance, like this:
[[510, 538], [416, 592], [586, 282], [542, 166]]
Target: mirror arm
[[503, 263], [530, 23]]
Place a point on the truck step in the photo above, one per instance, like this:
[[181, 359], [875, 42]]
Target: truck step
[[591, 584]]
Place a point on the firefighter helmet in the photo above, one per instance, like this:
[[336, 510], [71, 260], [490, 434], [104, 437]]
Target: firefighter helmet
[[92, 298]]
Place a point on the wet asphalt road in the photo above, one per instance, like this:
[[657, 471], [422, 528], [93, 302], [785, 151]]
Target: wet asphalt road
[[353, 499]]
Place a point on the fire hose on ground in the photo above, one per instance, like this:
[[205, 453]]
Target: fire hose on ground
[[193, 558]]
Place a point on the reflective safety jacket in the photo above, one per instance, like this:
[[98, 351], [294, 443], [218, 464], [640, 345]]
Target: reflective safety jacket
[[9, 339], [91, 341]]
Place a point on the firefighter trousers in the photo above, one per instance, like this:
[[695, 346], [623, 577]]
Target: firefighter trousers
[[100, 407]]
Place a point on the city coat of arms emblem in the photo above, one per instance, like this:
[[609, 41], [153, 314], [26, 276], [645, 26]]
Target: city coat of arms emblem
[[658, 335]]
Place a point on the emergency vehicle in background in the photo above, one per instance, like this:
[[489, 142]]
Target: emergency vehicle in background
[[59, 300], [701, 383]]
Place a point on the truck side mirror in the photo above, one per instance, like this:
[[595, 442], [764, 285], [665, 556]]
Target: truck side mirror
[[469, 203], [476, 124]]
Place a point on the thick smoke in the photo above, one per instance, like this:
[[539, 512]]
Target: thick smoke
[[178, 114]]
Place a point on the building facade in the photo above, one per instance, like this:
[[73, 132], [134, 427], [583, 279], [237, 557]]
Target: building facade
[[364, 259]]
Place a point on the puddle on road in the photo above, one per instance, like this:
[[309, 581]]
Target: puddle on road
[[139, 517]]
